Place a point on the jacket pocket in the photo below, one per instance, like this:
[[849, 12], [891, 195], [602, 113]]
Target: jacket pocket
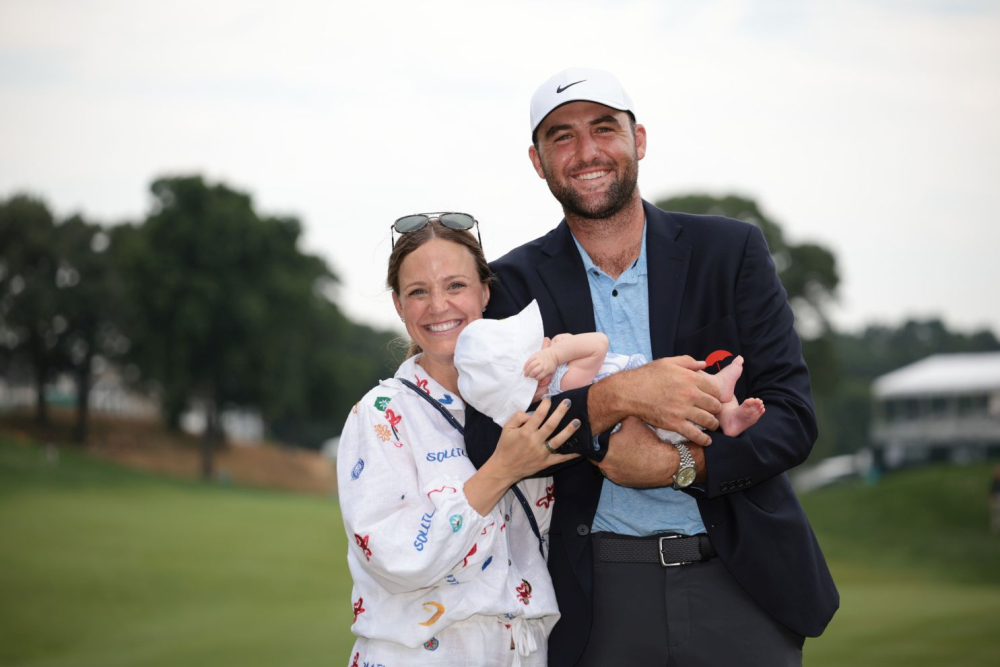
[[769, 495], [719, 340]]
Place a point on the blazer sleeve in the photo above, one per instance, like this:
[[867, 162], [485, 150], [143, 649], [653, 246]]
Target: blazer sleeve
[[775, 372]]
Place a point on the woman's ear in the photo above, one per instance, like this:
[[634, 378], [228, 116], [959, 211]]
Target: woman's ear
[[399, 306], [486, 295]]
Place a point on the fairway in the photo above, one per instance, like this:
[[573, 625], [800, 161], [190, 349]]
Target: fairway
[[105, 567]]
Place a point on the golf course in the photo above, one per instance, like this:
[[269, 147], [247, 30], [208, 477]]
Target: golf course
[[102, 566]]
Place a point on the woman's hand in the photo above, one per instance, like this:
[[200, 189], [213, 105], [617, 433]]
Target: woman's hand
[[520, 453], [522, 448]]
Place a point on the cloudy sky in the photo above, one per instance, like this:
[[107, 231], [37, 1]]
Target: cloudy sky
[[870, 127]]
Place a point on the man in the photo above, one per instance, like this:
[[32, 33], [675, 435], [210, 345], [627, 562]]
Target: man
[[652, 567]]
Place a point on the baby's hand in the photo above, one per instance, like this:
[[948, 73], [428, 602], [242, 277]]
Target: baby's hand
[[540, 364]]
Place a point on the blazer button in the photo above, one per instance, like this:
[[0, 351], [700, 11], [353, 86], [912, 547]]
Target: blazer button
[[582, 530]]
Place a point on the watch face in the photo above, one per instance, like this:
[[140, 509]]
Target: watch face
[[685, 477]]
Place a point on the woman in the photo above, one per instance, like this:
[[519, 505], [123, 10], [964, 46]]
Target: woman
[[447, 563]]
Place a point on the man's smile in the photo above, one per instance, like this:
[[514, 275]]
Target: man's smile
[[591, 175]]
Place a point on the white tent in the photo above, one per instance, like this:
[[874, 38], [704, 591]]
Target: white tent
[[941, 375]]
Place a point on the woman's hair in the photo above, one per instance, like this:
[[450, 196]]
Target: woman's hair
[[410, 241]]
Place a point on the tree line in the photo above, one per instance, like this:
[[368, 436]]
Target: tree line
[[204, 302], [208, 302]]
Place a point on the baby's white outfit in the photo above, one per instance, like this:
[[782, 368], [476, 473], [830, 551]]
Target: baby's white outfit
[[490, 357]]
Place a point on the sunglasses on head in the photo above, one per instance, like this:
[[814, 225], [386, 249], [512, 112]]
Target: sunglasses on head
[[411, 223]]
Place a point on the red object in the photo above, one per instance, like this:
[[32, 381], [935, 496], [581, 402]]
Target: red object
[[473, 550], [363, 543], [549, 497], [716, 357], [393, 418], [524, 591], [358, 609]]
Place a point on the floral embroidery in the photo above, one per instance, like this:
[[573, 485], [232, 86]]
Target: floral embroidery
[[383, 432]]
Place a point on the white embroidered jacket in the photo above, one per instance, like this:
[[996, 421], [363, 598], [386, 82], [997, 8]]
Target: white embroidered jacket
[[421, 557]]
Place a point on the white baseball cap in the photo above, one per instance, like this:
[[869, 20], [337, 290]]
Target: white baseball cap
[[490, 357], [578, 84]]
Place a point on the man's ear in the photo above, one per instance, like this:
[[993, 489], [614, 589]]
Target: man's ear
[[640, 141], [536, 161]]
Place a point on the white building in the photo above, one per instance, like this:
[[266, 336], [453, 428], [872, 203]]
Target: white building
[[947, 406]]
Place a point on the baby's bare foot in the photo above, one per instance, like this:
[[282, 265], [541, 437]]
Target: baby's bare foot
[[737, 419], [726, 378]]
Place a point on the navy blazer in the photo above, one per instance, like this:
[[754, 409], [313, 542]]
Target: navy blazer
[[712, 286]]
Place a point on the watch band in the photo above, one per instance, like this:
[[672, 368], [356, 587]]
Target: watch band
[[687, 463]]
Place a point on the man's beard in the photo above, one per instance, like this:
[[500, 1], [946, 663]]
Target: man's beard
[[619, 194]]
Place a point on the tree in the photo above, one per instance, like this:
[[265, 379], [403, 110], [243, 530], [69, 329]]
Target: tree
[[807, 271], [224, 301], [93, 307], [32, 324]]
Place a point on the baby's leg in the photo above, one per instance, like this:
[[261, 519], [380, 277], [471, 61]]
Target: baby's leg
[[726, 379], [736, 418]]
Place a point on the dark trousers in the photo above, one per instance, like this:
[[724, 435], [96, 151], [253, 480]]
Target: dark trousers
[[687, 616]]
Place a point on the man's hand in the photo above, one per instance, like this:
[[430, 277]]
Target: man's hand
[[637, 459], [669, 393]]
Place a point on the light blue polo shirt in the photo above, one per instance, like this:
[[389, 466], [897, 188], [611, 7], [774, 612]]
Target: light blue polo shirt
[[621, 312]]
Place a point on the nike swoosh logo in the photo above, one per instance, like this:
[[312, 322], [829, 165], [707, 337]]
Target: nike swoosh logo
[[560, 89]]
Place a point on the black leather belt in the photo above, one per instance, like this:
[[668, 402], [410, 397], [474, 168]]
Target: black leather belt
[[669, 550]]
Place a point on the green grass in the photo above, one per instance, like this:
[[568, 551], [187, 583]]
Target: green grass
[[102, 566], [917, 569]]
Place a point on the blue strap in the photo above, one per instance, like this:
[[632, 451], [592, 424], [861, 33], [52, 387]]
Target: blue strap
[[454, 422]]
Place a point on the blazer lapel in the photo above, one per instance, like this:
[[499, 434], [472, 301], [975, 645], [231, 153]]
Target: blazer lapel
[[564, 277], [667, 261]]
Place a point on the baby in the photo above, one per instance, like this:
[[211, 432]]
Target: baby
[[494, 379]]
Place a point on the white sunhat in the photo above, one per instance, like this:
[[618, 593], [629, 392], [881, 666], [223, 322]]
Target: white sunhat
[[578, 84], [490, 357]]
